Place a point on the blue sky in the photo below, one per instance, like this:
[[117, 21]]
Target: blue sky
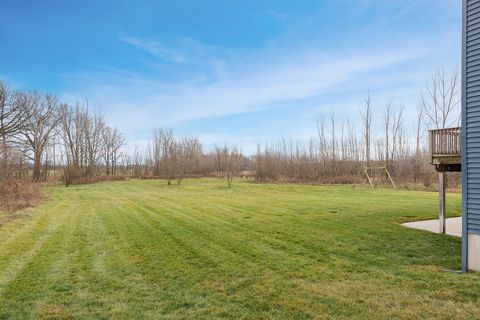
[[243, 72]]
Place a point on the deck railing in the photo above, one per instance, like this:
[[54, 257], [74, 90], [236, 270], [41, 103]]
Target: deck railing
[[445, 142]]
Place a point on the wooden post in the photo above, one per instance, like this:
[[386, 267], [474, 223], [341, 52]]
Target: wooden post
[[432, 145], [390, 177], [441, 202], [368, 177]]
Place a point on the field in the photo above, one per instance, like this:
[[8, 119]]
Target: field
[[142, 249]]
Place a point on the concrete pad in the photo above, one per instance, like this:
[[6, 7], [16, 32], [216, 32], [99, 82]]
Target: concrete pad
[[453, 226], [473, 252]]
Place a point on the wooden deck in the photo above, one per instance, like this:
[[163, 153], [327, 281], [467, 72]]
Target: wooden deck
[[445, 149], [445, 155]]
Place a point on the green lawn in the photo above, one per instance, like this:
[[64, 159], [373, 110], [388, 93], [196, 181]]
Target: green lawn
[[142, 249]]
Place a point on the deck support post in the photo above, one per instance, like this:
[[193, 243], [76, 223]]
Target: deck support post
[[441, 202]]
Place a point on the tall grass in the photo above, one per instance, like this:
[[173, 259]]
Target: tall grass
[[17, 194]]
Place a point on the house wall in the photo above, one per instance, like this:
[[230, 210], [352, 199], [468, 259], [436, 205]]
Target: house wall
[[471, 134]]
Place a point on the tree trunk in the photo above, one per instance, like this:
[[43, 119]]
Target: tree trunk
[[37, 167], [4, 173]]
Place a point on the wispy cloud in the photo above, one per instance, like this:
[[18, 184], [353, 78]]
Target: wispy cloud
[[279, 16], [180, 50], [157, 49], [150, 103]]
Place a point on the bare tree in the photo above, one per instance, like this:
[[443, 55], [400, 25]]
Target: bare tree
[[113, 141], [441, 99], [387, 120], [42, 119], [397, 133], [367, 115], [72, 131], [168, 146], [13, 114], [94, 127], [138, 162], [228, 162], [322, 141], [333, 144], [185, 156], [352, 143], [419, 134], [107, 150]]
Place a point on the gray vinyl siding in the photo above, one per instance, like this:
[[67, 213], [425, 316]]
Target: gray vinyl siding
[[471, 115]]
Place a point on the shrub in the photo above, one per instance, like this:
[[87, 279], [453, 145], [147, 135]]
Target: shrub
[[17, 194]]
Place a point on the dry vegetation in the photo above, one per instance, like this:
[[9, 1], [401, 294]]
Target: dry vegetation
[[17, 194]]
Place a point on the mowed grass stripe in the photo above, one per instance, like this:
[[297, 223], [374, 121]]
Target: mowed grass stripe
[[24, 246], [186, 251], [236, 239], [200, 245], [142, 249]]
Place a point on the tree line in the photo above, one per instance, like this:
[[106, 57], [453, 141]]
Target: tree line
[[342, 151], [43, 137], [174, 159]]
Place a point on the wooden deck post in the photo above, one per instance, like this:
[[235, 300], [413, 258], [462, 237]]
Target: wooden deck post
[[446, 155], [441, 202]]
